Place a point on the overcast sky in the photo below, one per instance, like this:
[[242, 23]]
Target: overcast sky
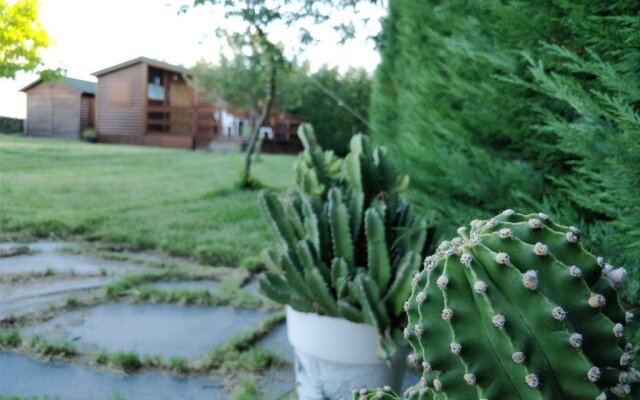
[[94, 34]]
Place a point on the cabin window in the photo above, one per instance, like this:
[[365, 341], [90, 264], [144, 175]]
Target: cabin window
[[155, 90], [120, 93]]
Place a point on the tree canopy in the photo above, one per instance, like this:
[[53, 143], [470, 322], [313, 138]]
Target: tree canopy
[[254, 49], [335, 104], [22, 37]]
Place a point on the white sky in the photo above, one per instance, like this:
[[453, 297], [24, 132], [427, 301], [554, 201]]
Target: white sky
[[94, 34]]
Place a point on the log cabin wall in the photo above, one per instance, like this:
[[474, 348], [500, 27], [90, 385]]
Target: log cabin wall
[[53, 110], [120, 101]]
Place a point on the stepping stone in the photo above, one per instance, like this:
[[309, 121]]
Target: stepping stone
[[411, 377], [50, 259], [277, 383], [24, 377], [150, 329], [23, 297], [211, 286], [278, 342], [40, 246], [253, 288]]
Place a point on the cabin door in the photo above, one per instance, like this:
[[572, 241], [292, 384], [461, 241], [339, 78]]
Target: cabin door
[[180, 96]]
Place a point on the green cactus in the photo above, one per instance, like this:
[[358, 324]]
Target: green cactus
[[516, 308], [348, 238]]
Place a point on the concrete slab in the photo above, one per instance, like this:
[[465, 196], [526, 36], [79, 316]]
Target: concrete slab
[[277, 383], [211, 286], [45, 245], [278, 342], [253, 287], [53, 261], [19, 298], [149, 329], [411, 377], [25, 377], [34, 304]]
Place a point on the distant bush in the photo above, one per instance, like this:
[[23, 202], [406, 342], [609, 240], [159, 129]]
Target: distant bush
[[11, 125]]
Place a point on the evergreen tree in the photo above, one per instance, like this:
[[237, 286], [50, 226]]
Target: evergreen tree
[[497, 105]]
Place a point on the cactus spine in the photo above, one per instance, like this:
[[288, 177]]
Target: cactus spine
[[526, 313], [348, 238]]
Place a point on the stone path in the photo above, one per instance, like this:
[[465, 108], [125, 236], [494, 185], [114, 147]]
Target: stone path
[[21, 376], [49, 258], [52, 272], [150, 329]]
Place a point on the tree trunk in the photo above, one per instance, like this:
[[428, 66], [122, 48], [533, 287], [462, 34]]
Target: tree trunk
[[257, 124]]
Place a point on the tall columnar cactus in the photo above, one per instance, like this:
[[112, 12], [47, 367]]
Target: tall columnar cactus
[[516, 308], [349, 240]]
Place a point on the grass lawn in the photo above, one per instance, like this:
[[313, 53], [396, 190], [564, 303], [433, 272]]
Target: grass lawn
[[182, 202]]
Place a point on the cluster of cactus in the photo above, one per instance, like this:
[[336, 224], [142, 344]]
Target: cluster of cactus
[[516, 308], [348, 238]]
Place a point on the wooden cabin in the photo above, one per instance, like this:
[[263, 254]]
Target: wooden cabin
[[279, 130], [284, 137], [62, 108], [152, 103]]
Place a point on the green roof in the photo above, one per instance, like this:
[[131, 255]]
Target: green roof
[[80, 85], [76, 84]]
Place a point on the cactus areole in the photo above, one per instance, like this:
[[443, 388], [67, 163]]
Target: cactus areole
[[348, 239], [530, 314]]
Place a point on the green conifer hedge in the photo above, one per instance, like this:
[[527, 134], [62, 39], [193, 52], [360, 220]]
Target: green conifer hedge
[[531, 103]]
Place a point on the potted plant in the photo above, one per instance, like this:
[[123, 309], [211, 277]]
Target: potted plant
[[518, 308], [348, 242]]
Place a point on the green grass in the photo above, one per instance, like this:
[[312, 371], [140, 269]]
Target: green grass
[[230, 293], [14, 251], [179, 364], [247, 390], [183, 202], [10, 338], [240, 354], [101, 357], [44, 347], [130, 281], [128, 361]]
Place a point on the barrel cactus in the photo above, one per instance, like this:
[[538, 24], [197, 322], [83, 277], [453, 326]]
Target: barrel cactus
[[517, 308], [348, 239]]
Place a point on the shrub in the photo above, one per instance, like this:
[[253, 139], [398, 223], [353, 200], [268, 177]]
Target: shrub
[[128, 361], [512, 104], [89, 135]]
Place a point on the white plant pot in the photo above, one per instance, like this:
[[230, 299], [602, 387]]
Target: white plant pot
[[333, 356]]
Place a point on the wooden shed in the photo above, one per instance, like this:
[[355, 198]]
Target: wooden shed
[[62, 108], [149, 102]]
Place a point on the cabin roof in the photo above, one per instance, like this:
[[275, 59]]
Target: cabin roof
[[144, 60], [78, 85]]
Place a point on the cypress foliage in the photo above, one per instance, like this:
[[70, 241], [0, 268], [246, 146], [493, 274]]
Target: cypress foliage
[[511, 104]]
